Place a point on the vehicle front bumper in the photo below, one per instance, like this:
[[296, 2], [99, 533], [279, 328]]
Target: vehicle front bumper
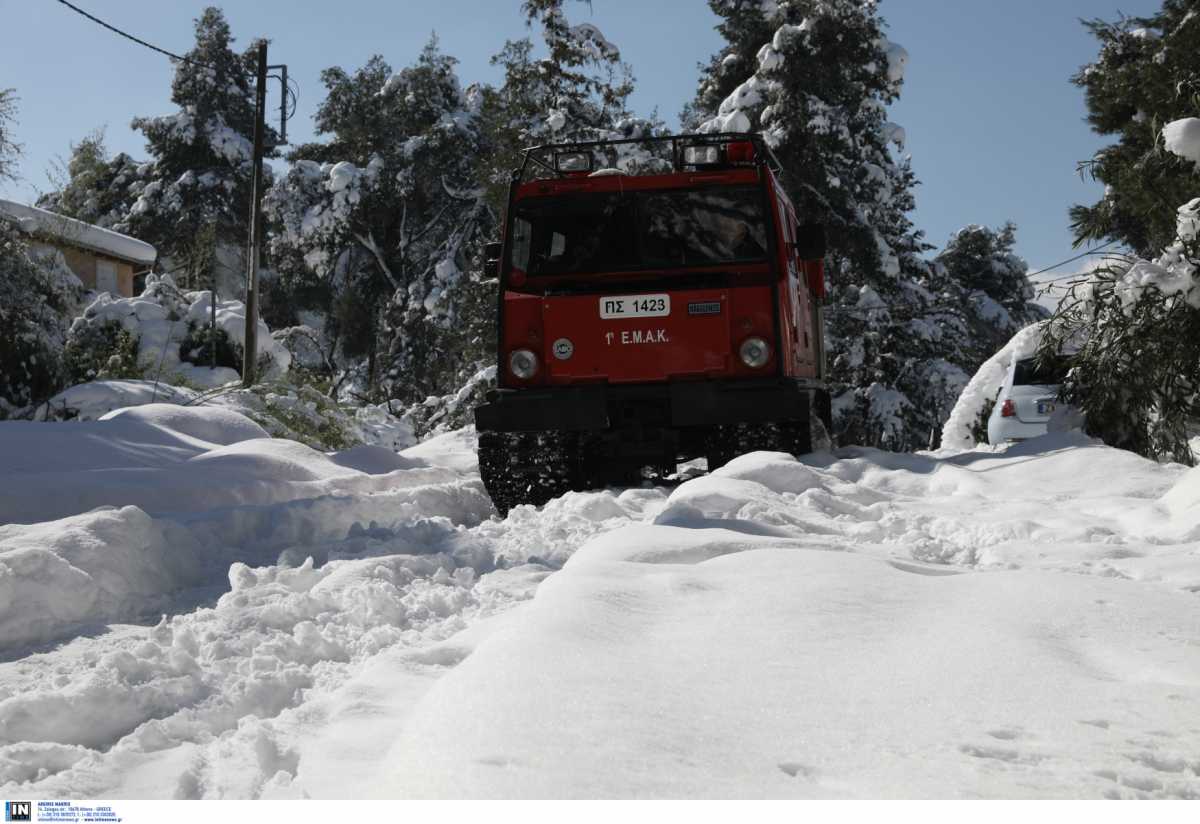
[[598, 407]]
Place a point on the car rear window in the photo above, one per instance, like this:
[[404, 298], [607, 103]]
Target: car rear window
[[1040, 372]]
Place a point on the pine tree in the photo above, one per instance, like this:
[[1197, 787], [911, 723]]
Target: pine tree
[[94, 187], [816, 77], [1147, 73], [997, 299], [389, 214], [745, 26], [198, 181], [578, 92]]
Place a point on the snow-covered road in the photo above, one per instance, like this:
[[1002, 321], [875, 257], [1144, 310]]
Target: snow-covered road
[[1018, 624]]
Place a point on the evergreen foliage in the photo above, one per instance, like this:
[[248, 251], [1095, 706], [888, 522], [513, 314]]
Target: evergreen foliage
[[94, 187], [997, 299], [38, 296], [1132, 336], [102, 351], [815, 77], [388, 215], [200, 174], [1147, 73]]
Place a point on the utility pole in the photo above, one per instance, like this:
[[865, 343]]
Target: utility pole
[[250, 355]]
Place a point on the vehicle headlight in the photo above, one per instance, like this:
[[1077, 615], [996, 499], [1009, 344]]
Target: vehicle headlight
[[755, 352], [523, 363]]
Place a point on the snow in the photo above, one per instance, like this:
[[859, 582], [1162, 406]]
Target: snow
[[161, 318], [592, 40], [33, 220], [106, 519], [1182, 138], [91, 401], [897, 60], [248, 617], [850, 627]]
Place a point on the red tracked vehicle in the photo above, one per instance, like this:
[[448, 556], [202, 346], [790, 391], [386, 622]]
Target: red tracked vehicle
[[649, 318]]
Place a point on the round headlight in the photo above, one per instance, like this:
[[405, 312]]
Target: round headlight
[[755, 352], [523, 363]]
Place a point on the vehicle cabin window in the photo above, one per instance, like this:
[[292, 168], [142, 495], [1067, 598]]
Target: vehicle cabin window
[[638, 230], [1040, 372]]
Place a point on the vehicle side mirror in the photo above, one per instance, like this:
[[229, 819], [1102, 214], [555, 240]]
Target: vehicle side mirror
[[810, 241], [491, 259]]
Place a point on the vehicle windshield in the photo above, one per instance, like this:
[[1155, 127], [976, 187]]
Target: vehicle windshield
[[1040, 372], [637, 230]]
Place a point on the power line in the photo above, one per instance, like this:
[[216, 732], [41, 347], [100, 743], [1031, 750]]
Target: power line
[[290, 95], [129, 36], [1069, 260]]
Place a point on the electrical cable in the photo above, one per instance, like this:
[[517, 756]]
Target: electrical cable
[[293, 95], [1091, 251], [129, 36]]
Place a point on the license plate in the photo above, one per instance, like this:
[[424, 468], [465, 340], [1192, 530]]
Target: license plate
[[635, 306], [1045, 407]]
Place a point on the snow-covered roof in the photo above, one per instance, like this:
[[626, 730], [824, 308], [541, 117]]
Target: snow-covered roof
[[33, 220]]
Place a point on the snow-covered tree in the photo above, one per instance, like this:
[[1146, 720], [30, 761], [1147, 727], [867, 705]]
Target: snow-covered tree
[[198, 181], [578, 91], [388, 213], [1132, 333], [1147, 74], [997, 297], [94, 187], [815, 77], [745, 26], [9, 149], [38, 296]]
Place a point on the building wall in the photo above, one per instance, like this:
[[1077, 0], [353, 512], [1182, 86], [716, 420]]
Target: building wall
[[83, 264]]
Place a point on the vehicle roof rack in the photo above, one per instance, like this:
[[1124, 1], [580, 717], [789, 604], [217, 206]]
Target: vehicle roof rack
[[665, 153]]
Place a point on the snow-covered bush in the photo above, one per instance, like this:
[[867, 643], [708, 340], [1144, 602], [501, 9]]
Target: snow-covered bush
[[38, 296], [101, 351], [163, 334], [1135, 325], [441, 414], [299, 413]]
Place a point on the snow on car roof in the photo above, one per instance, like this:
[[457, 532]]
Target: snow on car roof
[[78, 233]]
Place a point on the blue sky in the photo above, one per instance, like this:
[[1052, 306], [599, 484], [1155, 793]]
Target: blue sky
[[994, 126]]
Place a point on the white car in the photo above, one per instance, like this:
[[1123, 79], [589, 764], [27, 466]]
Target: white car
[[1027, 399]]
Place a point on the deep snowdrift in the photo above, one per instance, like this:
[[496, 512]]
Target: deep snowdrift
[[112, 519], [1019, 623]]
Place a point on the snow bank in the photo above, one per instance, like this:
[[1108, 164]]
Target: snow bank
[[858, 624], [97, 566], [161, 319], [91, 401], [197, 489], [821, 629], [169, 459]]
